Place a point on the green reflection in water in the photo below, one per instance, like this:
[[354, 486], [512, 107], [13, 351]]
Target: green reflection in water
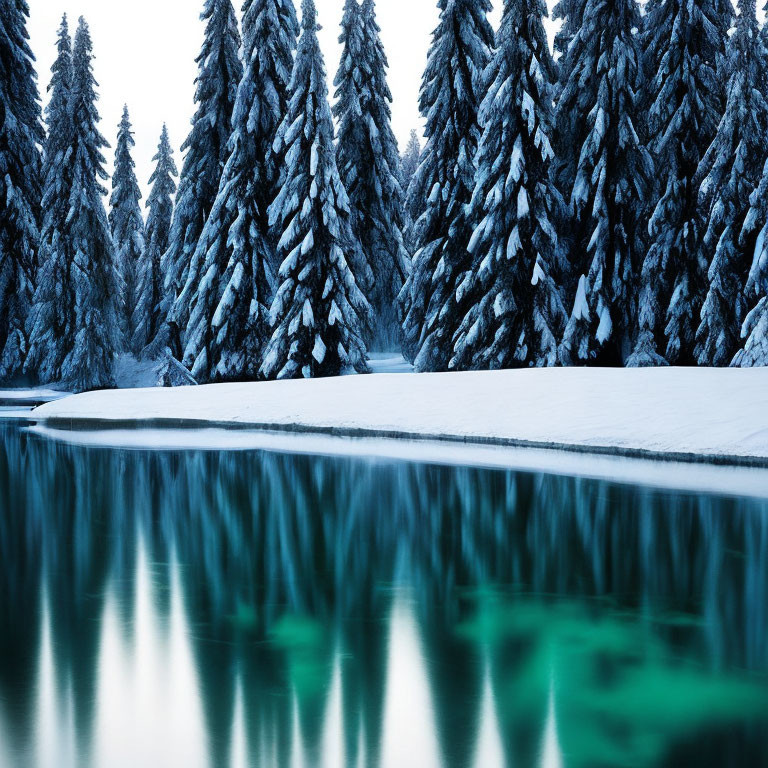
[[622, 694]]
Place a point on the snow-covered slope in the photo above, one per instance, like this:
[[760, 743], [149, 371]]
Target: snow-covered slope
[[702, 412]]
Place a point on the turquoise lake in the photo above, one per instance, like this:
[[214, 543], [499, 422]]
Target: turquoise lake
[[247, 609]]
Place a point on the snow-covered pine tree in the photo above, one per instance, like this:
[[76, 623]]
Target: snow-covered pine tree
[[319, 313], [684, 42], [351, 82], [730, 172], [81, 251], [611, 176], [451, 92], [21, 134], [51, 320], [229, 288], [516, 316], [755, 328], [95, 281], [369, 164], [127, 225], [409, 161], [220, 72], [147, 317]]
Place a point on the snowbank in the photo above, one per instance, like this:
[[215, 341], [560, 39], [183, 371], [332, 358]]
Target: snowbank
[[720, 415]]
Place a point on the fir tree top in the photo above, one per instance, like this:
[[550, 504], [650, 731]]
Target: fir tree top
[[125, 188], [82, 106], [162, 183]]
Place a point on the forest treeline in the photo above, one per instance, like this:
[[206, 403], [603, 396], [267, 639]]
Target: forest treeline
[[605, 205]]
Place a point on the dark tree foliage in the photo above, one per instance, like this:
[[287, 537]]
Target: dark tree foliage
[[21, 135], [516, 316], [451, 92], [147, 315], [319, 313], [729, 173], [369, 164], [610, 182], [127, 225], [755, 329], [220, 72], [51, 319], [229, 287], [78, 279], [684, 43]]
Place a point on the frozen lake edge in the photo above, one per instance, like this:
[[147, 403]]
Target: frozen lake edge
[[684, 416]]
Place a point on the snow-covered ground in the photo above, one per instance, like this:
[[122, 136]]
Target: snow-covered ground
[[719, 414]]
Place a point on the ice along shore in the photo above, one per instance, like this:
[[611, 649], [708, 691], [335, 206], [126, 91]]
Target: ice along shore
[[717, 416]]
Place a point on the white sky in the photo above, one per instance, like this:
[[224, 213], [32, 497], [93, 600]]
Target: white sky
[[145, 56]]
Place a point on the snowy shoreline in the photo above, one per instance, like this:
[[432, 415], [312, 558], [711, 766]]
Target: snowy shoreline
[[663, 475], [716, 416]]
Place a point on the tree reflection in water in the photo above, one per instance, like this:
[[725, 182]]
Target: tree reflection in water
[[614, 625]]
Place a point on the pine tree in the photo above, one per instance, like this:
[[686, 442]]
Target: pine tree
[[51, 321], [451, 92], [80, 249], [409, 162], [318, 313], [230, 287], [611, 176], [730, 172], [683, 43], [21, 134], [575, 94], [755, 329], [220, 72], [351, 83], [516, 317], [147, 318], [369, 164], [126, 224]]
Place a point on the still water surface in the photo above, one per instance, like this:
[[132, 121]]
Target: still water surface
[[251, 609]]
